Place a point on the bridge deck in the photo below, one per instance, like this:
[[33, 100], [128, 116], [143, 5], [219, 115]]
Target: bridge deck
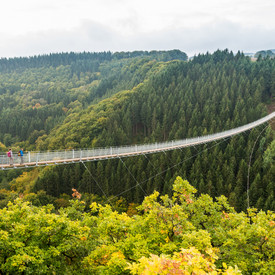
[[32, 159]]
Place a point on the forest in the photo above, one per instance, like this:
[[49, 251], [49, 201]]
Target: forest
[[178, 234], [89, 100]]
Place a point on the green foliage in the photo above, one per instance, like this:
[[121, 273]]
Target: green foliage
[[37, 240], [269, 156], [264, 54], [97, 100], [38, 93], [103, 99], [178, 234]]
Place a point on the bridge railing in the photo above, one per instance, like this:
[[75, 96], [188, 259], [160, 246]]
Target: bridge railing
[[79, 154]]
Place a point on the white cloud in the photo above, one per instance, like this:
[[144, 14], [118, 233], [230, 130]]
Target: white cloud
[[36, 27]]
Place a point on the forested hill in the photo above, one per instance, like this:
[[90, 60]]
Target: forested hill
[[79, 62], [39, 92], [178, 100], [103, 99]]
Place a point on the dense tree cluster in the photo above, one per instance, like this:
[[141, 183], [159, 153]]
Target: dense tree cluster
[[104, 99], [84, 61], [178, 234], [264, 54], [34, 100]]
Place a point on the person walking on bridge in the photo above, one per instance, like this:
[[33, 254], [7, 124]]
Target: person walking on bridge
[[21, 154], [10, 156]]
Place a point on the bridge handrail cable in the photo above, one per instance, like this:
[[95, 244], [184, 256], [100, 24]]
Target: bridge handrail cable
[[55, 157]]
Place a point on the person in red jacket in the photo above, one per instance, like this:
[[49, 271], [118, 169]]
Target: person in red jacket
[[10, 156]]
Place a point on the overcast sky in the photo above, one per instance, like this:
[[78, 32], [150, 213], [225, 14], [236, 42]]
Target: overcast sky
[[32, 27]]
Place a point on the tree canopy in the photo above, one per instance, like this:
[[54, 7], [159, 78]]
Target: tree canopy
[[180, 234], [70, 100]]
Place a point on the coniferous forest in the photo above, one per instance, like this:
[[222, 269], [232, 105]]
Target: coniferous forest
[[85, 100]]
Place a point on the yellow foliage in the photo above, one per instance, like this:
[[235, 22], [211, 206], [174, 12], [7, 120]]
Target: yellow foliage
[[187, 262], [2, 147], [24, 182]]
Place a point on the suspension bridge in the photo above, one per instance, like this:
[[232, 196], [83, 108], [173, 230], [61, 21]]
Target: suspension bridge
[[33, 159]]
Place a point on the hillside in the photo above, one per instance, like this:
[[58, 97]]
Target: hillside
[[39, 92], [77, 101], [265, 53]]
